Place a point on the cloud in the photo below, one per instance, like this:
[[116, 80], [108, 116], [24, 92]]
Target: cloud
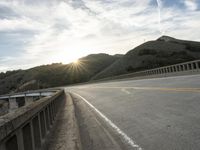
[[6, 12], [191, 4], [18, 24], [160, 5], [40, 32]]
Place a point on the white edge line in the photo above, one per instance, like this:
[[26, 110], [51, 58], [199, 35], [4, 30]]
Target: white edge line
[[118, 130]]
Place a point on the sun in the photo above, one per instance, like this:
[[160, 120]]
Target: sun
[[76, 62]]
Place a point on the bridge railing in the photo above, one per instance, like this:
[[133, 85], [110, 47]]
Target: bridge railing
[[192, 66], [43, 92], [28, 127], [11, 102], [176, 69]]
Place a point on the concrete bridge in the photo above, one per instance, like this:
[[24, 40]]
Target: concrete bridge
[[11, 102], [159, 110], [29, 119]]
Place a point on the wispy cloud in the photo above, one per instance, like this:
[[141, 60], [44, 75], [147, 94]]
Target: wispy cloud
[[160, 5], [39, 32], [191, 4]]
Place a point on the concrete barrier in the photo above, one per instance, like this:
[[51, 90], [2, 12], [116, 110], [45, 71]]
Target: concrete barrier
[[191, 67], [18, 100], [28, 127]]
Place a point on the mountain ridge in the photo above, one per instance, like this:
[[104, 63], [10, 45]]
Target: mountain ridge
[[164, 51], [56, 74]]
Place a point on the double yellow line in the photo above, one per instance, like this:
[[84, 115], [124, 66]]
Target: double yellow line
[[146, 88]]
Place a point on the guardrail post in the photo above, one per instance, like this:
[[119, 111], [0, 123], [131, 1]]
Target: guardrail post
[[173, 69], [43, 124], [163, 70], [150, 72], [54, 109], [20, 141], [192, 65], [184, 69], [28, 100], [156, 71], [179, 68], [159, 71], [197, 65], [166, 70], [27, 137], [32, 135], [188, 67], [36, 132], [51, 104], [47, 119], [14, 142], [2, 147], [40, 128], [40, 95], [50, 115], [170, 69], [185, 66], [13, 105]]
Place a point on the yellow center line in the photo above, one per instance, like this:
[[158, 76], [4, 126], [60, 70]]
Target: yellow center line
[[148, 88]]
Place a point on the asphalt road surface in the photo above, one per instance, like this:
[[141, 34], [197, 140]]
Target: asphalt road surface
[[157, 114]]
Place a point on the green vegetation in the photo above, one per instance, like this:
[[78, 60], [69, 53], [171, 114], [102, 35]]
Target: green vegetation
[[147, 52], [192, 48]]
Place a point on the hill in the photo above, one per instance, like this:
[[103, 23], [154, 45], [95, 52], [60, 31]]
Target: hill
[[161, 52], [55, 74]]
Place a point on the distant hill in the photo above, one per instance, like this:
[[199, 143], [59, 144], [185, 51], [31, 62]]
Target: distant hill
[[163, 51], [55, 74]]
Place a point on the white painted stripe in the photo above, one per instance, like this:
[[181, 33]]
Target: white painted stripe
[[125, 91], [117, 129]]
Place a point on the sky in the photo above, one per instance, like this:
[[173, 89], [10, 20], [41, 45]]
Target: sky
[[37, 32]]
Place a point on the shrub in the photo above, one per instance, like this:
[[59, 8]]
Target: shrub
[[147, 52]]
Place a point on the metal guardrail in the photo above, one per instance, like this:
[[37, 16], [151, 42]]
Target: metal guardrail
[[176, 69], [28, 127]]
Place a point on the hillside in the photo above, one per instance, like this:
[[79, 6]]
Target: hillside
[[55, 74], [163, 51]]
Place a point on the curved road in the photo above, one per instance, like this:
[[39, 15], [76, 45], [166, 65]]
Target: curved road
[[158, 114]]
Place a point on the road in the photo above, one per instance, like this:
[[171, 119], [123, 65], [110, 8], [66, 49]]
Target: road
[[157, 114]]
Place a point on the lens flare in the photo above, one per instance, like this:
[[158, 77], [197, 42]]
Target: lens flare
[[76, 62]]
